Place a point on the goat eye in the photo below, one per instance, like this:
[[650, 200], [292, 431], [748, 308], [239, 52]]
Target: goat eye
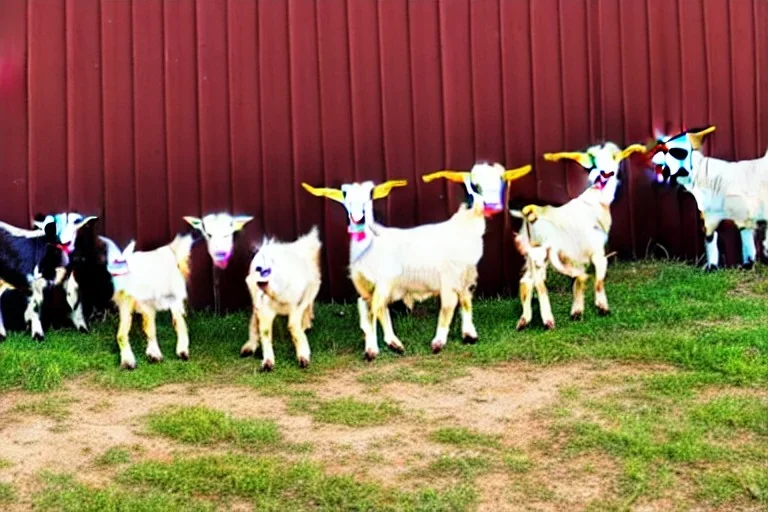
[[258, 269], [678, 153]]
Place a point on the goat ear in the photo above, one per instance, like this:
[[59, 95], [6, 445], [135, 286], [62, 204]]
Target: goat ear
[[240, 221], [330, 193], [455, 176], [634, 148], [383, 189], [514, 174], [129, 249], [195, 222], [583, 159], [697, 138]]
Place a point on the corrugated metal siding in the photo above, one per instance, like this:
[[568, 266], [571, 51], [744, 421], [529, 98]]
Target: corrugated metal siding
[[147, 110]]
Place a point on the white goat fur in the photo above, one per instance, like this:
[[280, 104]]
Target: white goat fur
[[156, 281], [571, 236], [439, 259], [284, 279], [736, 191]]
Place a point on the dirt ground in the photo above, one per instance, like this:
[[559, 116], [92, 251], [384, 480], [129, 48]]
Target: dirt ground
[[505, 400]]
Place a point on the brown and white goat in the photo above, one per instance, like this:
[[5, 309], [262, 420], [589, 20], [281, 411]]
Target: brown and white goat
[[284, 279], [571, 236]]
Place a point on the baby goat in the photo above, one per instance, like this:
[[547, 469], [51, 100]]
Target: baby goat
[[148, 282], [570, 236], [33, 260], [736, 191], [284, 279], [439, 259]]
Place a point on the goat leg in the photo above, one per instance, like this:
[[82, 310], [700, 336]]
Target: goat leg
[[448, 301], [34, 304], [468, 330], [266, 319], [75, 304], [127, 359], [368, 326], [250, 347], [526, 297], [153, 353], [601, 300], [300, 342], [182, 333]]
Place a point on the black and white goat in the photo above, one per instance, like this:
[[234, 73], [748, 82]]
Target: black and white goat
[[32, 261]]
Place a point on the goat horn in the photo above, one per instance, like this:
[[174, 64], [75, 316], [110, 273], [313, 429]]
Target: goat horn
[[634, 148], [514, 174], [330, 193], [457, 176], [697, 138], [582, 159], [383, 189]]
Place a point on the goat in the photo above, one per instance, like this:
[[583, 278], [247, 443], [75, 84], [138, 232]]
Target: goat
[[389, 264], [283, 279], [218, 230], [736, 191], [147, 282], [32, 261], [570, 236]]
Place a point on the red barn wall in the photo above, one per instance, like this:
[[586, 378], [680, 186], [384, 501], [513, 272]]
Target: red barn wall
[[144, 111]]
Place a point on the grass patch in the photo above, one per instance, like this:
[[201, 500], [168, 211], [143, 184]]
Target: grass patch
[[461, 466], [63, 493], [5, 463], [464, 438], [53, 407], [517, 462], [204, 426], [7, 493], [662, 312], [274, 485], [114, 457], [422, 373], [719, 487], [347, 411]]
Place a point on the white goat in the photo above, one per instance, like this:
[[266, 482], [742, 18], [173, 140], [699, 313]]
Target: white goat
[[571, 236], [736, 191], [284, 279], [147, 282], [440, 259]]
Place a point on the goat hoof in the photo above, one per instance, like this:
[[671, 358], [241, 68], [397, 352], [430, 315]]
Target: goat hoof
[[267, 366], [521, 324], [468, 339], [128, 366], [603, 311], [82, 329], [303, 362], [184, 356], [398, 349], [247, 352], [154, 359], [437, 346], [577, 316], [549, 325], [38, 337], [370, 355], [710, 268], [748, 265]]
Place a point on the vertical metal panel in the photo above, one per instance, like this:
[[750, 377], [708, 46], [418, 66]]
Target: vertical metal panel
[[117, 82], [144, 111], [14, 207], [47, 100]]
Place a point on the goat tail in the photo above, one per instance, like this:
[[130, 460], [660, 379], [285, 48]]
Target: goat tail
[[182, 250]]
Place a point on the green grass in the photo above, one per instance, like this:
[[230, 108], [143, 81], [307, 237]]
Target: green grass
[[115, 456], [5, 464], [346, 411], [7, 493], [204, 426], [464, 438], [271, 484], [714, 324], [465, 467]]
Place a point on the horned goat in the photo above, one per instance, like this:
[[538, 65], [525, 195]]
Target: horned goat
[[440, 259], [571, 236], [284, 279], [32, 261], [736, 191]]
